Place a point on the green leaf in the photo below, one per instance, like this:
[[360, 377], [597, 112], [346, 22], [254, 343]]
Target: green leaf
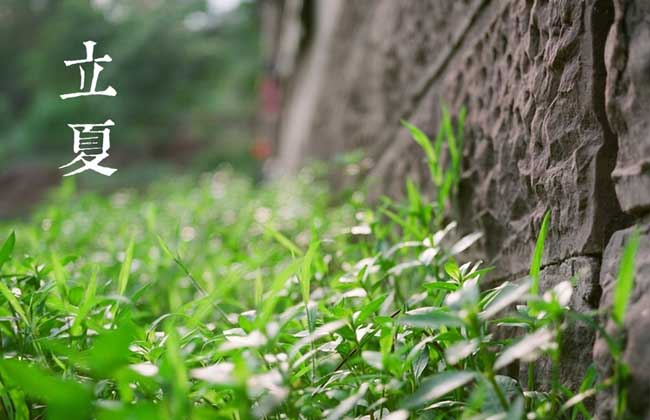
[[454, 150], [413, 195], [125, 269], [7, 248], [465, 242], [536, 263], [452, 270], [174, 370], [396, 219], [441, 285], [370, 308], [348, 403], [258, 288], [65, 399], [436, 386], [625, 279], [424, 142], [461, 350], [527, 349], [282, 240], [273, 294], [13, 302], [444, 190], [165, 248], [110, 350], [306, 271], [86, 304], [507, 294], [434, 319], [320, 332], [59, 275]]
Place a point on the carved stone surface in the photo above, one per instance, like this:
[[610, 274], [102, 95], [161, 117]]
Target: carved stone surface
[[537, 133], [537, 137], [381, 49], [628, 101]]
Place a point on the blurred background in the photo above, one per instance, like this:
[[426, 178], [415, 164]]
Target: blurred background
[[187, 74]]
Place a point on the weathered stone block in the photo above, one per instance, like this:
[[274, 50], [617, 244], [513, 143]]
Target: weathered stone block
[[379, 52], [628, 101], [537, 136]]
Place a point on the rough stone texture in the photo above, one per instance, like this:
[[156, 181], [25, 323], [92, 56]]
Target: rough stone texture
[[558, 95], [379, 52], [532, 76], [628, 101], [535, 136], [637, 321]]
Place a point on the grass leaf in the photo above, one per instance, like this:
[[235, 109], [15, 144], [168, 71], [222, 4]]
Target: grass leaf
[[625, 279], [436, 386], [86, 304], [348, 403], [125, 269], [434, 320], [508, 293], [7, 248], [423, 141], [306, 271], [528, 348], [13, 302], [282, 240], [536, 263], [65, 399]]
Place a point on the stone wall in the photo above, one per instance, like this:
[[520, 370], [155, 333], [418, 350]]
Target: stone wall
[[558, 94]]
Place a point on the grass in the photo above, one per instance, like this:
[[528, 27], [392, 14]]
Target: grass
[[217, 299]]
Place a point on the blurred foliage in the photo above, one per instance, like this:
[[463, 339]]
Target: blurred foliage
[[178, 82]]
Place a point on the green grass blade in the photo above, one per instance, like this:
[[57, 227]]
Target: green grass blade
[[7, 248], [306, 271], [527, 347], [273, 294], [59, 275], [403, 223], [436, 386], [536, 262], [86, 305], [165, 248], [423, 141], [13, 302], [64, 398], [125, 269], [433, 320], [259, 288], [283, 240], [625, 279], [452, 143]]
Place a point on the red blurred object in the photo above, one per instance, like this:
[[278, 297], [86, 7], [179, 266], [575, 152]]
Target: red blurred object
[[262, 149]]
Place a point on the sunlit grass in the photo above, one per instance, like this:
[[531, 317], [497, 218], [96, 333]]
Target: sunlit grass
[[214, 298]]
